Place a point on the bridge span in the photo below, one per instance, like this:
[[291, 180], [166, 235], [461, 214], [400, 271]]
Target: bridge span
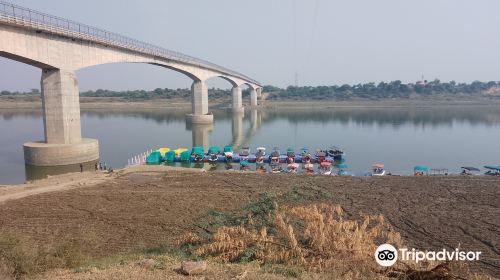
[[60, 47]]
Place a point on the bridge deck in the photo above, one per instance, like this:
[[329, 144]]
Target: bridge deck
[[19, 16]]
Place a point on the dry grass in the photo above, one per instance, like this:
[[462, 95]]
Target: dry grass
[[22, 257], [315, 238]]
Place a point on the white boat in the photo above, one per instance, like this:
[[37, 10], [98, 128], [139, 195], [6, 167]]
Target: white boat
[[378, 170], [325, 168]]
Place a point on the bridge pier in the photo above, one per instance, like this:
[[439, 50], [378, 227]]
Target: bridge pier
[[237, 102], [199, 104], [63, 143], [253, 97]]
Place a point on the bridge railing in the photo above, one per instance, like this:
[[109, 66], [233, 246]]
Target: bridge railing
[[18, 15]]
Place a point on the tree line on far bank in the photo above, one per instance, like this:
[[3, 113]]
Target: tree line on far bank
[[372, 91]]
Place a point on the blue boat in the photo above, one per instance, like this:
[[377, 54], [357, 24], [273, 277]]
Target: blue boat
[[493, 170]]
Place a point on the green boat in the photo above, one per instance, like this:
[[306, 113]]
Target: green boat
[[186, 156], [170, 156], [154, 158]]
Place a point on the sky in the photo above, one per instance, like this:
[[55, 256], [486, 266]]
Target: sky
[[284, 42]]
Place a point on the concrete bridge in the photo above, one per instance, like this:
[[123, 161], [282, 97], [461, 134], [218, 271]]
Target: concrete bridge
[[60, 47]]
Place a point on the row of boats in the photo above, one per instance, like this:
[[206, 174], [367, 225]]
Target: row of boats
[[215, 154], [324, 158], [328, 161]]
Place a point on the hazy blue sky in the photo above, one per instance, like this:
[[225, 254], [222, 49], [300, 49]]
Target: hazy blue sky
[[326, 42]]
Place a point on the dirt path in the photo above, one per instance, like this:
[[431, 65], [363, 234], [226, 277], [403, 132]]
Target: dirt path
[[52, 184], [145, 210]]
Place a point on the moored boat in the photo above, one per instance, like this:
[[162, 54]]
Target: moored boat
[[169, 156], [228, 154], [260, 155], [153, 158], [305, 156], [469, 170], [244, 154], [320, 156], [325, 168], [185, 156], [493, 170], [213, 154], [336, 153], [292, 167], [420, 170], [378, 170], [197, 154], [309, 168]]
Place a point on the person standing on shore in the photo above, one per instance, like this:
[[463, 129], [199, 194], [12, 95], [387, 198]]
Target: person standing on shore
[[96, 167], [100, 166], [81, 167], [104, 166]]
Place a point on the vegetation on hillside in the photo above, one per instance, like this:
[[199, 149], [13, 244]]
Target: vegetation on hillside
[[371, 91]]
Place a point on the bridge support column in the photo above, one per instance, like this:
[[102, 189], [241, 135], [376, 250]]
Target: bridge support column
[[253, 97], [63, 143], [199, 104], [260, 95], [237, 104]]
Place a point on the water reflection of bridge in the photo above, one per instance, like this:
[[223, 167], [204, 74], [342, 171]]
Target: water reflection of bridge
[[201, 132]]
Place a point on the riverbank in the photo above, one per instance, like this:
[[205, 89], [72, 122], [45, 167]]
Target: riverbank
[[110, 103], [145, 209]]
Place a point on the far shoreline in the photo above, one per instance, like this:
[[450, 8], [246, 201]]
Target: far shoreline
[[93, 103]]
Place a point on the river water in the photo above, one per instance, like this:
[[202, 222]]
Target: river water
[[439, 137]]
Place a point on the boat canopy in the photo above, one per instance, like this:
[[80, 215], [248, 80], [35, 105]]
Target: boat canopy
[[290, 150], [470, 168], [261, 149], [170, 156], [493, 167], [244, 163], [198, 150], [163, 151], [378, 166], [228, 148], [178, 151], [214, 150], [421, 168]]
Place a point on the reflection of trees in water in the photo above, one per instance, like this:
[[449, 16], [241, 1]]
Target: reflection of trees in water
[[381, 116], [432, 116]]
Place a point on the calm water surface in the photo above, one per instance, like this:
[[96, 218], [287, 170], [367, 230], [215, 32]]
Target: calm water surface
[[439, 137]]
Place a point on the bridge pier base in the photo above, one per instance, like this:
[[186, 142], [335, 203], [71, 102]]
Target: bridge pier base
[[63, 143], [237, 103], [199, 104]]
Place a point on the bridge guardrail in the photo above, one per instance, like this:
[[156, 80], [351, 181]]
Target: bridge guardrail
[[18, 15]]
